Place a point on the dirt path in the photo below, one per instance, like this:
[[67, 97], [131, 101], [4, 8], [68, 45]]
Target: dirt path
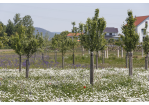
[[2, 50]]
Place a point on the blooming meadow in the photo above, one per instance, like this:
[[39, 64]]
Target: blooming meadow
[[73, 85]]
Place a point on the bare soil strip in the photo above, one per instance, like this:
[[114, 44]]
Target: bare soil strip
[[2, 50]]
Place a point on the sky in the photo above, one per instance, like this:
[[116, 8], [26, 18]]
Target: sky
[[57, 17]]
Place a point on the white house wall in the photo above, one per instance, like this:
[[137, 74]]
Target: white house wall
[[113, 34], [116, 34], [72, 37], [139, 28]]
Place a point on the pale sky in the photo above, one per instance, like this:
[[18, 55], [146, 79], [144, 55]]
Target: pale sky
[[57, 17]]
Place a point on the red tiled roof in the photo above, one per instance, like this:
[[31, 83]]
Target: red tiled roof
[[140, 19], [73, 34]]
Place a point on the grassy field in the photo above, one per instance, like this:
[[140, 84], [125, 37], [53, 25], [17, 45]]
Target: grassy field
[[48, 82], [80, 61]]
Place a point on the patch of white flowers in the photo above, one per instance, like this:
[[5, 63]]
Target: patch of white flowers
[[39, 87]]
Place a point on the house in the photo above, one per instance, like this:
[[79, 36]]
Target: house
[[140, 26], [111, 32], [73, 34]]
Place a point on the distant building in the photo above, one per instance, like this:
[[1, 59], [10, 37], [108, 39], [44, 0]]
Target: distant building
[[140, 25], [111, 32], [73, 34]]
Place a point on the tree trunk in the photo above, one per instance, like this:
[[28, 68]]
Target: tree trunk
[[103, 57], [99, 53], [42, 57], [118, 52], [89, 51], [55, 56], [20, 65], [107, 53], [132, 60], [122, 52], [142, 51], [82, 50], [27, 67], [127, 60], [146, 62], [130, 63], [62, 61], [73, 56], [97, 60], [91, 68], [35, 56]]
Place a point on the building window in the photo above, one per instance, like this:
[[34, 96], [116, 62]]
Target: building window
[[143, 31], [110, 33], [107, 33]]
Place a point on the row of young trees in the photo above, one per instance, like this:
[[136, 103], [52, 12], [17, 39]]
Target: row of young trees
[[131, 39], [20, 37], [24, 42], [92, 38]]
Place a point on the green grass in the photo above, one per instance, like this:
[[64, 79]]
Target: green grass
[[112, 61]]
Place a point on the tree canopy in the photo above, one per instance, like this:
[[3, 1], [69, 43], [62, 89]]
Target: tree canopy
[[131, 37]]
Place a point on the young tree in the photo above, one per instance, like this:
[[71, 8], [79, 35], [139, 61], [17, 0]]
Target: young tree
[[16, 43], [28, 23], [90, 40], [63, 44], [16, 19], [45, 45], [146, 50], [4, 38], [74, 42], [3, 29], [146, 46], [54, 45], [146, 25], [100, 40], [81, 28], [102, 44], [91, 25], [9, 30], [131, 38], [120, 43], [73, 23], [31, 45], [84, 37], [17, 22]]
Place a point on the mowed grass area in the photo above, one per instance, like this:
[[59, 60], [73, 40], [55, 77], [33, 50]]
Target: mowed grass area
[[73, 85], [10, 56]]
